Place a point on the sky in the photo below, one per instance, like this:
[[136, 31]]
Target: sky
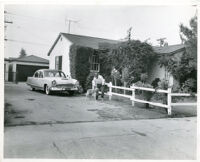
[[35, 27]]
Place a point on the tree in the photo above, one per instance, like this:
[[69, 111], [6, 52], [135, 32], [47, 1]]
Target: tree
[[185, 70], [132, 57], [22, 53], [188, 66]]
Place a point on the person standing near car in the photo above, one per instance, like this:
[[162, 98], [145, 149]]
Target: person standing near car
[[98, 83]]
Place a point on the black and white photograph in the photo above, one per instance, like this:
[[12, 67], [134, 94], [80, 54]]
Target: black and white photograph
[[100, 81]]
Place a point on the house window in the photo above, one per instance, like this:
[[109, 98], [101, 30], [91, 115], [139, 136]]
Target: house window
[[58, 62], [94, 63]]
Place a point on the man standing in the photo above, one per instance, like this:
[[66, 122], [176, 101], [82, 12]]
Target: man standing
[[98, 83]]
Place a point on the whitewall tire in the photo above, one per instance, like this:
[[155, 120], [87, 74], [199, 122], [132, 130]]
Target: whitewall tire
[[47, 90]]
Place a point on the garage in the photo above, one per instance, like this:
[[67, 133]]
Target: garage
[[24, 71], [21, 68]]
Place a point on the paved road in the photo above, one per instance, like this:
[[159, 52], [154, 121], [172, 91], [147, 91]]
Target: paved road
[[135, 139], [60, 126]]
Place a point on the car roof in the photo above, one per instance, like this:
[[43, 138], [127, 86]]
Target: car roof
[[48, 70]]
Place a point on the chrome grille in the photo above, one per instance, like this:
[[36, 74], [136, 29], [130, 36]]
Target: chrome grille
[[65, 86]]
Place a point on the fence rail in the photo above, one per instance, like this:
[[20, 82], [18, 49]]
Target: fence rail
[[133, 99]]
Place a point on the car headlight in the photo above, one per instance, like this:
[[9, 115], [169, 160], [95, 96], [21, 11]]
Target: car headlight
[[53, 83], [77, 84]]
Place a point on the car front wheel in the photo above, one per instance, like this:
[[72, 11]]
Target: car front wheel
[[47, 90]]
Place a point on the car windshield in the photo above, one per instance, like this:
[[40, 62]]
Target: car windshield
[[54, 74]]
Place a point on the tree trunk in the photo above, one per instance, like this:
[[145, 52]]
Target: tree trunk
[[115, 84]]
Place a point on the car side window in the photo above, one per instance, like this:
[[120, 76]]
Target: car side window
[[36, 75], [40, 74]]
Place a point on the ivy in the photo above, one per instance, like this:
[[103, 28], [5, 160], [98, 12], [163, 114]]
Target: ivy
[[79, 63]]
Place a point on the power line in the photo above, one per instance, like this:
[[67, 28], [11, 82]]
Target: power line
[[28, 32], [6, 22], [70, 21], [26, 42], [36, 18]]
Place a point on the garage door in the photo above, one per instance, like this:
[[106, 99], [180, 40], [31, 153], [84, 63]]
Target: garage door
[[24, 71]]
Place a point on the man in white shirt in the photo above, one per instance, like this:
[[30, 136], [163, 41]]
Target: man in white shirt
[[98, 83]]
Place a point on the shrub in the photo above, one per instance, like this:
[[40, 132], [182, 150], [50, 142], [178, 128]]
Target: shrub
[[147, 95], [189, 86], [155, 82], [163, 84], [143, 77]]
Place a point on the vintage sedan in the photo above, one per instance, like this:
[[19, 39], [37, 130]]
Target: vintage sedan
[[52, 81]]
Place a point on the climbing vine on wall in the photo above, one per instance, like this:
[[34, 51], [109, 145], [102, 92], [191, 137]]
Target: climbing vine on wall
[[79, 63]]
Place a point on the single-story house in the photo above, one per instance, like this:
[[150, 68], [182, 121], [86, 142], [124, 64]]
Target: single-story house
[[18, 69], [59, 54]]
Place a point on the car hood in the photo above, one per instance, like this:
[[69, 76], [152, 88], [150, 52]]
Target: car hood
[[62, 80]]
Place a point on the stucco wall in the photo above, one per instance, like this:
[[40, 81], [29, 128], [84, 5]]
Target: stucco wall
[[160, 72], [156, 72], [61, 49]]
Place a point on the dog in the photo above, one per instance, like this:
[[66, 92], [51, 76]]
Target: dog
[[91, 92]]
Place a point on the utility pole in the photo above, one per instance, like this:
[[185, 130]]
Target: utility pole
[[69, 23], [6, 22], [129, 33]]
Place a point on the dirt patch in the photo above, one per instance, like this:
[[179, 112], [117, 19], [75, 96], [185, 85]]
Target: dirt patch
[[11, 114], [115, 114]]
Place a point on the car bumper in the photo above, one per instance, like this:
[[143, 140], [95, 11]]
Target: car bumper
[[63, 89]]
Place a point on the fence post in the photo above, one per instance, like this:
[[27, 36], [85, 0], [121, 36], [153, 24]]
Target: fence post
[[110, 90], [169, 101], [133, 95]]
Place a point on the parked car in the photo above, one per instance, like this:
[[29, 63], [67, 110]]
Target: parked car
[[52, 81]]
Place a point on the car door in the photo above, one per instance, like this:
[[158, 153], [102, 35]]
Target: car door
[[41, 80], [34, 81]]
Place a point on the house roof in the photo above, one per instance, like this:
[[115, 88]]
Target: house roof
[[169, 49], [31, 58], [6, 59], [94, 42], [86, 41]]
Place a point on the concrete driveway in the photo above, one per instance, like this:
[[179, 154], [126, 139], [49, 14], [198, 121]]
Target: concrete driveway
[[26, 107]]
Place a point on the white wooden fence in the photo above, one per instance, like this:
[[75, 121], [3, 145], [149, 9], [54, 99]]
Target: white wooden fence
[[133, 98]]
